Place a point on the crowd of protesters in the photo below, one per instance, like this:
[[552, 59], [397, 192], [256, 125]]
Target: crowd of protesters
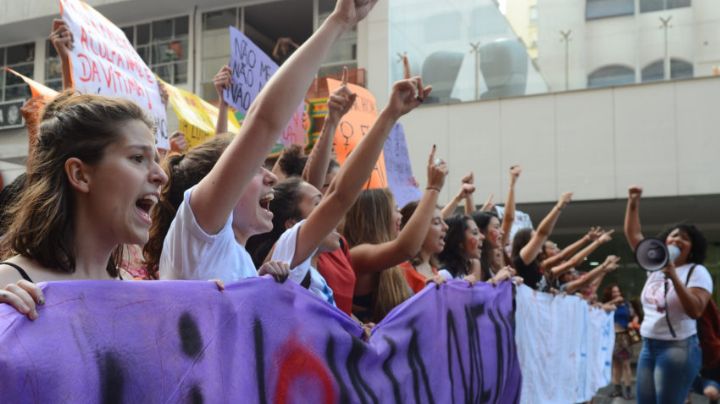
[[99, 201]]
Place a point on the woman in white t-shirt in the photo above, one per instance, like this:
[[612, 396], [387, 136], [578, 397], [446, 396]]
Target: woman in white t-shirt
[[221, 210], [672, 299]]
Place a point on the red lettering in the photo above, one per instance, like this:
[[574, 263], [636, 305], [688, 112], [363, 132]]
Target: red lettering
[[300, 363]]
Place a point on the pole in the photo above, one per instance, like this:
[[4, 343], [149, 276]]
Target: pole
[[566, 38], [666, 58], [475, 48]]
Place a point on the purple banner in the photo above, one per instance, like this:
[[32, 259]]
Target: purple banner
[[256, 342], [397, 166]]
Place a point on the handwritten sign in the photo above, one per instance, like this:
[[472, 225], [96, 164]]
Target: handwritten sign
[[354, 126], [104, 62], [399, 171], [251, 70], [177, 342], [197, 117]]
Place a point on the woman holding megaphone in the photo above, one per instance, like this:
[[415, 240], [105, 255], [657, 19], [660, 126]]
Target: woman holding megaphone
[[672, 299]]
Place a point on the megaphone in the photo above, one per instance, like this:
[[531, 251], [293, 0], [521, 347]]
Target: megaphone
[[653, 255]]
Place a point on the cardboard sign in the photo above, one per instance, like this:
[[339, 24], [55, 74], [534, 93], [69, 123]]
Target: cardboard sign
[[251, 70], [354, 126], [399, 170], [256, 342], [197, 117], [105, 62]]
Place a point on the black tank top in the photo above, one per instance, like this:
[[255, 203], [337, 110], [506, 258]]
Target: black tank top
[[19, 269]]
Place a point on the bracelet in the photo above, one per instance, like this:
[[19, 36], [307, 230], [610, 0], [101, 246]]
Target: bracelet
[[433, 188]]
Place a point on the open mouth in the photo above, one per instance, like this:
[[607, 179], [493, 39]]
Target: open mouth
[[145, 204], [265, 201]]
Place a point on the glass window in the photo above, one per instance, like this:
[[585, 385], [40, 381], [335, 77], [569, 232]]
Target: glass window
[[608, 8], [679, 69], [647, 6], [53, 68], [608, 76], [163, 46], [20, 58]]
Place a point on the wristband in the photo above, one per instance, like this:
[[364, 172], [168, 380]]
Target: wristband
[[433, 188]]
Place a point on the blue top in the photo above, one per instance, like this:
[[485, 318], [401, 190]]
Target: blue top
[[622, 315]]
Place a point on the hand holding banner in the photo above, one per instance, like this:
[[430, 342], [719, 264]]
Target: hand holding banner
[[104, 62]]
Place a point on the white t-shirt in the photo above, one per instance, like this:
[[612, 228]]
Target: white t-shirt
[[190, 253], [284, 252], [653, 299]]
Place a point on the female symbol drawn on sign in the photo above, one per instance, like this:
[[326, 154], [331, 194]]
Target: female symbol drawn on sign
[[347, 131]]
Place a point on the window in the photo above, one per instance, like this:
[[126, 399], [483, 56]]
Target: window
[[679, 69], [608, 8], [344, 51], [20, 58], [216, 46], [163, 45], [647, 6], [613, 75]]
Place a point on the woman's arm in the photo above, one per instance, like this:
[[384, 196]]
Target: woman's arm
[[534, 246], [693, 300], [466, 190], [318, 161], [62, 40], [217, 194], [357, 169], [610, 264], [578, 258], [221, 81], [633, 230], [509, 214], [378, 257]]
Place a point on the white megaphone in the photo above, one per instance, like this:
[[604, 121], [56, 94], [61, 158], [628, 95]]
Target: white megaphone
[[653, 255]]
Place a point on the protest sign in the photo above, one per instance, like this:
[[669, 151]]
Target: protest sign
[[354, 126], [251, 70], [399, 170], [196, 116], [105, 62], [256, 342], [569, 335]]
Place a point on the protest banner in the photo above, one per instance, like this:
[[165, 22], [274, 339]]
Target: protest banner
[[251, 70], [196, 116], [569, 335], [354, 126], [256, 342], [522, 220], [104, 62], [399, 170]]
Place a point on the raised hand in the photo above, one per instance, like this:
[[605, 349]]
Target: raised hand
[[406, 96], [24, 296], [594, 233], [489, 204], [437, 171], [222, 80], [350, 12], [606, 236], [61, 38], [612, 262], [341, 100], [564, 199], [178, 144], [635, 192], [277, 269], [515, 172]]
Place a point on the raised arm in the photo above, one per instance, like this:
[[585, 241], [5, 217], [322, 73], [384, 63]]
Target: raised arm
[[578, 258], [610, 264], [593, 234], [221, 81], [217, 194], [633, 230], [509, 214], [357, 169], [534, 246], [62, 40], [318, 161], [465, 193], [378, 257]]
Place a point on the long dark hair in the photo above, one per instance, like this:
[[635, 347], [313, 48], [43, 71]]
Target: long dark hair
[[698, 250], [183, 171], [482, 220], [453, 256], [73, 126], [522, 237]]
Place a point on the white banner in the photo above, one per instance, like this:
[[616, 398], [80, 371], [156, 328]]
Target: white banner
[[105, 62], [564, 347]]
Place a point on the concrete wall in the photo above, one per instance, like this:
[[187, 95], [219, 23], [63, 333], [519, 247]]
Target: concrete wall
[[592, 142]]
